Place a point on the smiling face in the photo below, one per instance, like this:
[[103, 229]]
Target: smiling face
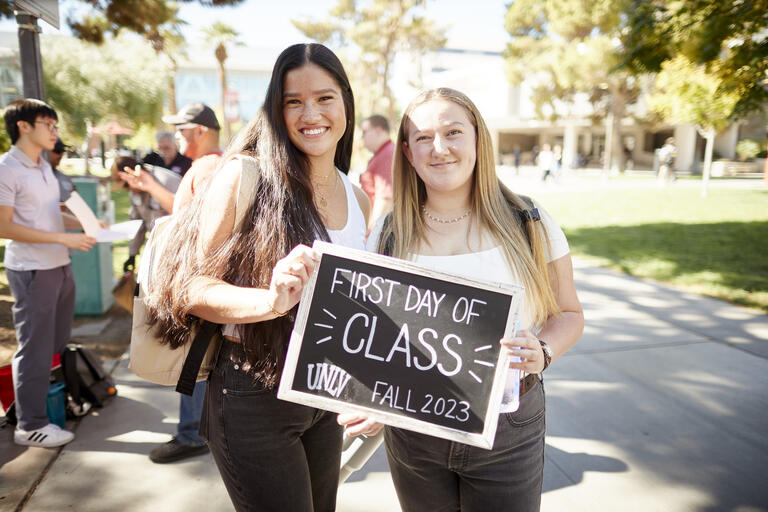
[[314, 114], [441, 146]]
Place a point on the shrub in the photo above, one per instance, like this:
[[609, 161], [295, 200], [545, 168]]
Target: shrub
[[748, 148]]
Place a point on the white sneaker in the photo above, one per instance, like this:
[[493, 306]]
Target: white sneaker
[[49, 436]]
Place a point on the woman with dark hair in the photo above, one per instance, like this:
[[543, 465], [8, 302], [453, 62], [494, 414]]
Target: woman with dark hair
[[272, 454], [452, 213]]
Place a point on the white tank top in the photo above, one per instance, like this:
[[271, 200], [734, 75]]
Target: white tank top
[[351, 235]]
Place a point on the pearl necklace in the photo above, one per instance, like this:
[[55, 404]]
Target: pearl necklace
[[445, 221]]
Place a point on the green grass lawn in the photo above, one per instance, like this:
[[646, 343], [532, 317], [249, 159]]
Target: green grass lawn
[[717, 246]]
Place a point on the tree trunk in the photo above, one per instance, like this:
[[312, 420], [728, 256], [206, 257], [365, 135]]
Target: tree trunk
[[614, 146], [223, 78], [86, 144], [709, 135], [172, 88], [619, 107], [608, 146]]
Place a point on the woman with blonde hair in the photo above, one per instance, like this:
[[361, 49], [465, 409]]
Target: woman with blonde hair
[[451, 213], [272, 455]]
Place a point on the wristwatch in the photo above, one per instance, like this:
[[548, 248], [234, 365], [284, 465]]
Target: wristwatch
[[547, 354]]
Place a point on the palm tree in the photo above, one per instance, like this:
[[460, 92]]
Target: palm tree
[[218, 36], [168, 40]]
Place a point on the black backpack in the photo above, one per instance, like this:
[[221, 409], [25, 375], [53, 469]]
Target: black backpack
[[84, 376], [85, 380]]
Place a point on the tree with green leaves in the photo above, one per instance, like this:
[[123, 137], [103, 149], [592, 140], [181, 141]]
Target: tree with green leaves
[[218, 36], [730, 38], [566, 47], [378, 30], [86, 84], [686, 93]]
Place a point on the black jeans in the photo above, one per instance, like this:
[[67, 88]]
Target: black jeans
[[437, 475], [272, 455]]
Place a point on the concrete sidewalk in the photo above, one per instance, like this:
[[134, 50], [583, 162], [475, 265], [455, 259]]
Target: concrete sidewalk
[[662, 406]]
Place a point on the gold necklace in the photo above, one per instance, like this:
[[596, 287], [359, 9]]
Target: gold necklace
[[445, 221], [323, 201]]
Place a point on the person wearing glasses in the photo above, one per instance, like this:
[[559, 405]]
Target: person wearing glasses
[[37, 264]]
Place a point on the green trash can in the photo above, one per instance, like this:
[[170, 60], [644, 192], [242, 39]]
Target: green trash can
[[92, 270]]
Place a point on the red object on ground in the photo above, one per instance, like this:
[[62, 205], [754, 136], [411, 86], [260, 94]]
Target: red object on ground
[[6, 387], [7, 395]]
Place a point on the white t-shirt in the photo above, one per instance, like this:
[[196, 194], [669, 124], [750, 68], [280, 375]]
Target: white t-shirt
[[490, 266]]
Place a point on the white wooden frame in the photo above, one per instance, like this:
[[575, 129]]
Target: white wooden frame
[[483, 440]]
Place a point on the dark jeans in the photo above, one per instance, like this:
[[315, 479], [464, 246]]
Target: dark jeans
[[438, 475], [272, 455]]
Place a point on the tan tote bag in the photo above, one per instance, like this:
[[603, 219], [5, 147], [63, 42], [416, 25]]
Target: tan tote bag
[[155, 361]]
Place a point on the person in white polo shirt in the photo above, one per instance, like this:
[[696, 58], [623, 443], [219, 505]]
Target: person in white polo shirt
[[37, 264]]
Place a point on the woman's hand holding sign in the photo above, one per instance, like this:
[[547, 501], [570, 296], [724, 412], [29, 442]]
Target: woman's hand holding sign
[[289, 277], [356, 424], [525, 352]]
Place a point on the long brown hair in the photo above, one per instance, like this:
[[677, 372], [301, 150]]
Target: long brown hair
[[495, 206], [281, 215]]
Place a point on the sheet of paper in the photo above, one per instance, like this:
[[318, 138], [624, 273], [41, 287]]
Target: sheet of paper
[[80, 209], [119, 232]]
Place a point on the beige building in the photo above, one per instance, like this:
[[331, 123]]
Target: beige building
[[510, 115]]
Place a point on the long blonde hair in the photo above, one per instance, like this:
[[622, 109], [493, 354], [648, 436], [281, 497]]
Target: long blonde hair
[[496, 208]]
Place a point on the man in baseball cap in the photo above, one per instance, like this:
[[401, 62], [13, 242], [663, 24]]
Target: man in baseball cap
[[197, 135], [197, 131]]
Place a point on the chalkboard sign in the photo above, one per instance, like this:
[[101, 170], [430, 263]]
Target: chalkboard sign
[[408, 346]]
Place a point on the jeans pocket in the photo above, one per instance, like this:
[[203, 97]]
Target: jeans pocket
[[531, 407], [238, 382]]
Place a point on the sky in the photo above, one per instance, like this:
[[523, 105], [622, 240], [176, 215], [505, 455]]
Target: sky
[[477, 24]]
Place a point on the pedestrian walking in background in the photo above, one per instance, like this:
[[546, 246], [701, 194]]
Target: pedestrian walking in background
[[37, 264], [376, 181], [451, 213], [547, 162], [273, 455], [667, 157]]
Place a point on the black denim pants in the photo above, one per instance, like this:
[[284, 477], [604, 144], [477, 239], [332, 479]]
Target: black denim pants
[[272, 455], [437, 475]]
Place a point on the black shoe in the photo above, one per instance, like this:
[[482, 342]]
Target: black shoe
[[173, 450]]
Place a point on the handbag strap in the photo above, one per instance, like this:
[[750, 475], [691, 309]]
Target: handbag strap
[[191, 368], [199, 346]]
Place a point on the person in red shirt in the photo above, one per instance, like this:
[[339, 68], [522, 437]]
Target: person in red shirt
[[376, 181]]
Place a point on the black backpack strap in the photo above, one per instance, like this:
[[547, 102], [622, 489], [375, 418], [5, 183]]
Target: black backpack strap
[[531, 214], [188, 377], [92, 363], [71, 376]]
